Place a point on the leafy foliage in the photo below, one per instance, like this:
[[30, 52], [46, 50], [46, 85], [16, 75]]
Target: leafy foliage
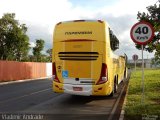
[[14, 43], [49, 52], [38, 49], [153, 17]]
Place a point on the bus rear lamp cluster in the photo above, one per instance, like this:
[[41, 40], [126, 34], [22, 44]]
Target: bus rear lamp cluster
[[104, 75], [54, 73]]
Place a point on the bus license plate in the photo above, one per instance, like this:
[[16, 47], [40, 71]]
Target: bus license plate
[[77, 88]]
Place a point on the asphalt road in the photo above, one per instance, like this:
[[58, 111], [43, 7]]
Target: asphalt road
[[37, 98]]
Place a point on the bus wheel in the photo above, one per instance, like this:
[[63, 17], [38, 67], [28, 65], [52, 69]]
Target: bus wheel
[[115, 86], [125, 73]]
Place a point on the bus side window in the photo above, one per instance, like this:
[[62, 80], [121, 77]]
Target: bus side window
[[114, 42]]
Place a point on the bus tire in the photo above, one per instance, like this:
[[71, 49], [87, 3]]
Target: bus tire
[[125, 73], [112, 93], [115, 86]]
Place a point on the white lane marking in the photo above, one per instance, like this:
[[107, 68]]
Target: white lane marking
[[11, 99]]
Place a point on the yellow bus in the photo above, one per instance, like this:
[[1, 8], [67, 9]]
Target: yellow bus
[[83, 58]]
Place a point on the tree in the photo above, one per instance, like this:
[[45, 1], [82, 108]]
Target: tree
[[153, 17], [14, 43], [38, 49], [49, 51]]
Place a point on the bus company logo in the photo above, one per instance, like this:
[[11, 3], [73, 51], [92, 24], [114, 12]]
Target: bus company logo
[[78, 33]]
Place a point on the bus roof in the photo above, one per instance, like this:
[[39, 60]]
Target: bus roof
[[101, 21], [81, 29]]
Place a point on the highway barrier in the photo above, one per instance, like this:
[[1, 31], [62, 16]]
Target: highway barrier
[[13, 70]]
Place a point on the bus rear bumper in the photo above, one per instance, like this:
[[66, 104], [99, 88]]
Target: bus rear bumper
[[86, 90], [102, 89]]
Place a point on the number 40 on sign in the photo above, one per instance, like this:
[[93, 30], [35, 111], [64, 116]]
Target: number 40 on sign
[[142, 30]]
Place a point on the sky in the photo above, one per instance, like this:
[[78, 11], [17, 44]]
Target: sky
[[40, 16]]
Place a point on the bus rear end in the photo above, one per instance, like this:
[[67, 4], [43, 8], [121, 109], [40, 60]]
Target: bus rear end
[[79, 64]]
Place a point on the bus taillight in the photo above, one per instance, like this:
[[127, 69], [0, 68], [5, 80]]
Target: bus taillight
[[104, 75], [54, 74]]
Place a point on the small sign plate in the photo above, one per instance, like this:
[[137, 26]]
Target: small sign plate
[[77, 88], [65, 73], [135, 57]]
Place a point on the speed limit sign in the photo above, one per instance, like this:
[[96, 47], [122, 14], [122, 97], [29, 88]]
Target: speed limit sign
[[142, 33]]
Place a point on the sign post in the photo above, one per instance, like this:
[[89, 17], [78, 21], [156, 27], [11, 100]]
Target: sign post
[[135, 58], [142, 82], [142, 33]]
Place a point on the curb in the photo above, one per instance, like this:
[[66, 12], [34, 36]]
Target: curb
[[115, 106], [24, 80], [124, 103], [122, 115]]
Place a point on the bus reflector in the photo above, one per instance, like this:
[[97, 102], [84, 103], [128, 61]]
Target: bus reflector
[[104, 75], [54, 73]]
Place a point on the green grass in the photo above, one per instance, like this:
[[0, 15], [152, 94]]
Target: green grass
[[134, 109]]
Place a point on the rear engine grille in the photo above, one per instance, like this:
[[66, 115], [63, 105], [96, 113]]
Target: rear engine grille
[[79, 56]]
